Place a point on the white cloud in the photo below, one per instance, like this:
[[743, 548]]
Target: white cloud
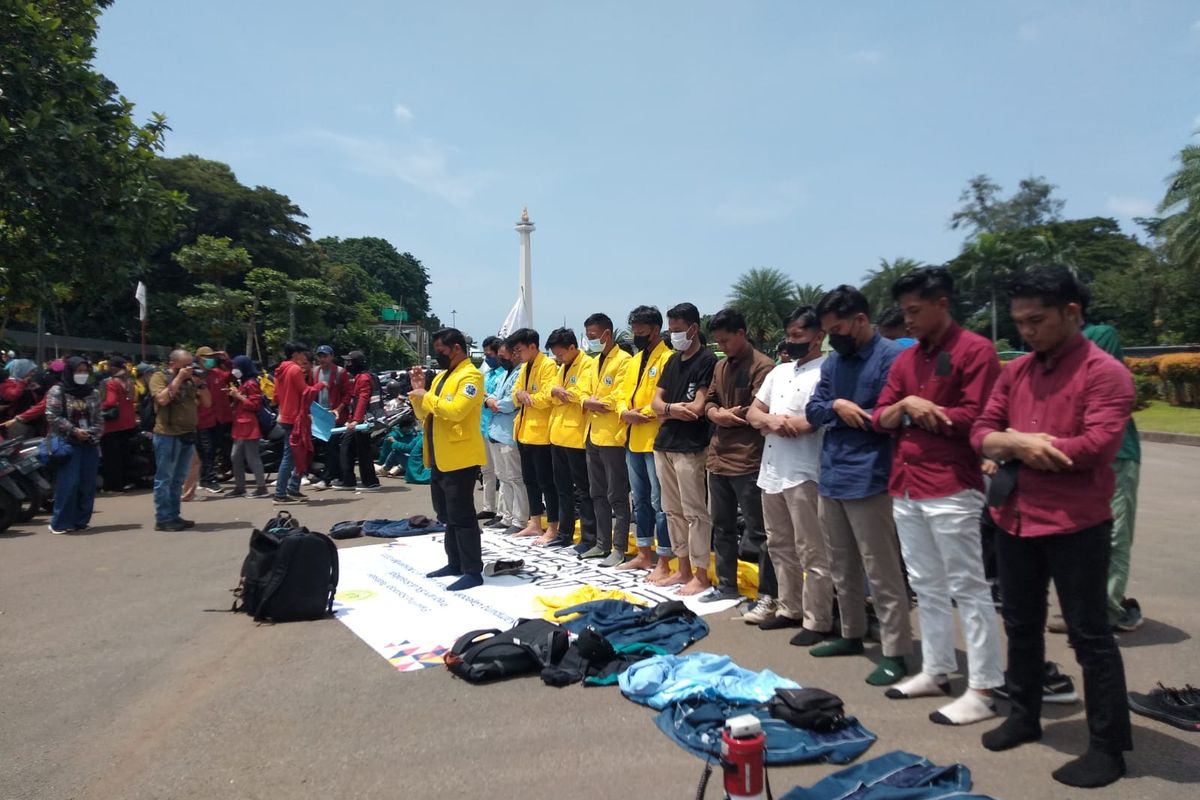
[[421, 163], [402, 112], [758, 206], [866, 56], [1129, 206], [1029, 32]]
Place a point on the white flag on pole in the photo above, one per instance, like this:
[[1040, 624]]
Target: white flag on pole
[[515, 319], [140, 294]]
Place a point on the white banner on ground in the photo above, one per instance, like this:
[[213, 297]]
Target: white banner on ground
[[385, 598]]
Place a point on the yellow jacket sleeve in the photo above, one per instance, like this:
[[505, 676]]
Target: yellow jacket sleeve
[[585, 381], [618, 401], [466, 394], [545, 378]]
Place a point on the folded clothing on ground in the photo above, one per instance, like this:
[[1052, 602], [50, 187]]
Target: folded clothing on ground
[[395, 528], [594, 660], [671, 625], [695, 725], [548, 604], [893, 776], [657, 682]]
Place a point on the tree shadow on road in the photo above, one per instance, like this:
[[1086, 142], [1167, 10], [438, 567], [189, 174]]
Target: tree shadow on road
[[221, 526], [1156, 754], [91, 531]]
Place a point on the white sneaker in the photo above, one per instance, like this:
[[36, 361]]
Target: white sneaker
[[56, 532], [763, 610]]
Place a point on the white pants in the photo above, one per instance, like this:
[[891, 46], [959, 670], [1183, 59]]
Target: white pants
[[939, 539], [514, 503], [488, 475]]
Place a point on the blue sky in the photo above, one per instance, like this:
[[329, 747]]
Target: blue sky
[[662, 148]]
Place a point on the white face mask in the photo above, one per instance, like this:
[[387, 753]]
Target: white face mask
[[237, 373], [593, 345], [80, 378], [680, 341]]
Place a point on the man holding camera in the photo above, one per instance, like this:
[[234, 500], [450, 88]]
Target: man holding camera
[[179, 394]]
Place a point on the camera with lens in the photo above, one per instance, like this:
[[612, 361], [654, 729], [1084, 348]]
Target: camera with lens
[[198, 369]]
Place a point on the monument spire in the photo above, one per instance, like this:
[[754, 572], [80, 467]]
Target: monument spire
[[524, 228]]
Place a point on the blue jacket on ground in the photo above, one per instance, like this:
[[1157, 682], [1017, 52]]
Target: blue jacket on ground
[[659, 681], [695, 725], [893, 776], [671, 625]]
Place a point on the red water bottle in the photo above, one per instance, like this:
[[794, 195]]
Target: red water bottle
[[742, 748]]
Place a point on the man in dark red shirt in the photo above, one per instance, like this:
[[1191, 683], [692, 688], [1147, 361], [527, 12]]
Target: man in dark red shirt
[[291, 381], [934, 393], [355, 446], [208, 426], [1054, 422]]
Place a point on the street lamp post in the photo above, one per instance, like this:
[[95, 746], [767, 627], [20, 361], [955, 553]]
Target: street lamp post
[[291, 296], [453, 319]]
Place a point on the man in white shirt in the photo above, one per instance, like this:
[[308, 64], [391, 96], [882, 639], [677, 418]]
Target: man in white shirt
[[791, 466]]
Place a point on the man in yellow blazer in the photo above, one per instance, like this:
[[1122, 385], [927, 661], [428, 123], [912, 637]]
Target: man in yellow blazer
[[454, 451], [641, 382], [608, 474], [576, 380], [531, 429]]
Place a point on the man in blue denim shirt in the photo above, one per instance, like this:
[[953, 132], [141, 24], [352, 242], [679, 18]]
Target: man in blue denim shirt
[[854, 507]]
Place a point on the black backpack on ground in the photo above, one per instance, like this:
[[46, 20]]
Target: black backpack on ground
[[290, 573], [490, 655], [813, 709]]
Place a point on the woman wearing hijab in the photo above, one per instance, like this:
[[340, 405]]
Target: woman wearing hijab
[[73, 413], [247, 400]]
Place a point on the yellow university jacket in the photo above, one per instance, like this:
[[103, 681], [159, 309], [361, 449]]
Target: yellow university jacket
[[454, 400], [532, 425], [568, 420], [639, 388], [606, 428]]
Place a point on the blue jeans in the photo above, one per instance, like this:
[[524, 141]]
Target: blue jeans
[[287, 480], [75, 488], [647, 502], [172, 458]]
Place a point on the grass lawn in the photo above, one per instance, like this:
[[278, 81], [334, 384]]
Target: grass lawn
[[1167, 418]]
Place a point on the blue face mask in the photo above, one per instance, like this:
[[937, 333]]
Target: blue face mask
[[491, 361]]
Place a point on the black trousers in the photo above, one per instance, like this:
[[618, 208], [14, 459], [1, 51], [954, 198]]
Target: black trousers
[[1078, 564], [206, 448], [355, 448], [574, 494], [767, 583], [223, 459], [454, 503], [726, 494], [114, 454], [333, 459], [537, 471], [608, 479]]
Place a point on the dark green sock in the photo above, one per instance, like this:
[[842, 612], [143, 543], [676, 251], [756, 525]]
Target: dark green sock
[[890, 670], [838, 647]]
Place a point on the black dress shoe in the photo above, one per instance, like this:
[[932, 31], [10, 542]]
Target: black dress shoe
[[779, 622], [186, 523]]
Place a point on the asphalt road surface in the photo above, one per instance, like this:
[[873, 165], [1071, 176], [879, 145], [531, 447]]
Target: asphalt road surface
[[122, 675]]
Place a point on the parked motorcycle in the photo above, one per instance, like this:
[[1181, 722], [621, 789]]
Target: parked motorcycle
[[24, 485]]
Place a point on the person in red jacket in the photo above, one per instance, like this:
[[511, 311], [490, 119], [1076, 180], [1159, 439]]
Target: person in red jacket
[[356, 442], [208, 431], [334, 397], [120, 425], [291, 382], [224, 413], [247, 400]]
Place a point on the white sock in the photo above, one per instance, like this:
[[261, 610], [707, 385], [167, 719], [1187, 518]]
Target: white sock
[[920, 685], [973, 706]]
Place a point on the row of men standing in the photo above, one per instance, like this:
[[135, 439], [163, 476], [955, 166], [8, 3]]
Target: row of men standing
[[833, 454]]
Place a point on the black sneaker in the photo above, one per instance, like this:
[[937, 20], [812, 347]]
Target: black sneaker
[[161, 526], [1056, 687], [1178, 707], [298, 496], [285, 500], [236, 493], [1131, 617], [186, 523]]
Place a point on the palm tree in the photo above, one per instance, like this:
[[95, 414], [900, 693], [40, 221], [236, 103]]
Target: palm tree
[[877, 283], [764, 296], [808, 294], [990, 260], [1181, 205]]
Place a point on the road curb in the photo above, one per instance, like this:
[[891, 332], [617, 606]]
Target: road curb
[[1170, 438]]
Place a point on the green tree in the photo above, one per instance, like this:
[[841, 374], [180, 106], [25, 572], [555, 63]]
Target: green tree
[[79, 206], [214, 259], [984, 211], [877, 283], [764, 296], [400, 275], [808, 294], [1180, 228]]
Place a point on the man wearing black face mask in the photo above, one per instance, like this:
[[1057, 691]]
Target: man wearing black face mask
[[791, 466], [356, 442], [854, 507]]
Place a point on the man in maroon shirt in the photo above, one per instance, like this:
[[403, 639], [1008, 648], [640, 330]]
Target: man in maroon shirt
[[934, 393], [291, 381], [1054, 422]]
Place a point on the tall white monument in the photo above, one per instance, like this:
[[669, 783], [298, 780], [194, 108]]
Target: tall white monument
[[524, 228]]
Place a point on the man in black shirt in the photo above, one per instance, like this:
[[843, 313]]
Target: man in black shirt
[[681, 446]]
